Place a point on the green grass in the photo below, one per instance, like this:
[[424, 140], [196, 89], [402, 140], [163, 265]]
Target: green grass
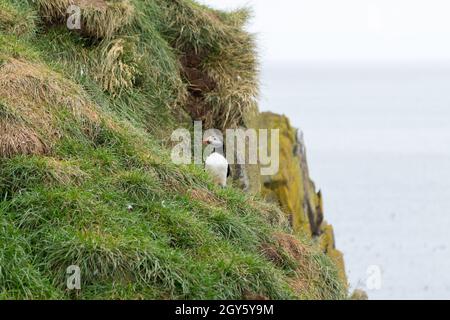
[[184, 238], [17, 18]]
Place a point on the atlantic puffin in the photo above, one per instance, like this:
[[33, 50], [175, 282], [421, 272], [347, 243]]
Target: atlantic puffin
[[216, 164]]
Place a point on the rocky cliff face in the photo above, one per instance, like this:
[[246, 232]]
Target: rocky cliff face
[[294, 191], [291, 188]]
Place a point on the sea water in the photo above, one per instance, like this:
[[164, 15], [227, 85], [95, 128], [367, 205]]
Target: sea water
[[378, 141]]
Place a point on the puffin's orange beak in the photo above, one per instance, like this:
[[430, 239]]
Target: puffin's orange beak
[[205, 142]]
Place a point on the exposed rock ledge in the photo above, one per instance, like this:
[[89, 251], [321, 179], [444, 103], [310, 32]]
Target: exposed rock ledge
[[293, 189]]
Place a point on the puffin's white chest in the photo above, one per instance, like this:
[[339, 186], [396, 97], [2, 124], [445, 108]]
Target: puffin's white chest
[[217, 166]]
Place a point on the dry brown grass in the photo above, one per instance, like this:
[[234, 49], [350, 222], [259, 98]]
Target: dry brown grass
[[29, 85], [117, 66], [12, 21], [100, 18], [64, 172], [271, 213], [235, 71], [219, 62], [308, 270], [17, 139], [37, 95], [284, 245], [286, 250], [205, 196], [224, 86], [254, 297], [96, 4]]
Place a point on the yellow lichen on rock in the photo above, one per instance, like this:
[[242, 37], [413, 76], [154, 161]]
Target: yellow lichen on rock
[[328, 245], [287, 186], [293, 189]]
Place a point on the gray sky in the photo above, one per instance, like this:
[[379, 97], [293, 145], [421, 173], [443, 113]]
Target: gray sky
[[349, 30]]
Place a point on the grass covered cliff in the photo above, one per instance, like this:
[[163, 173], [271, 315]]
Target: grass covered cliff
[[85, 172]]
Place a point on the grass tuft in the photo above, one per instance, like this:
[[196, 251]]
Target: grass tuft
[[117, 71], [219, 61], [99, 18], [17, 18]]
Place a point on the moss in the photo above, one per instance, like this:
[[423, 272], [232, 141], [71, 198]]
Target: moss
[[293, 189], [328, 245], [359, 295], [287, 185]]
